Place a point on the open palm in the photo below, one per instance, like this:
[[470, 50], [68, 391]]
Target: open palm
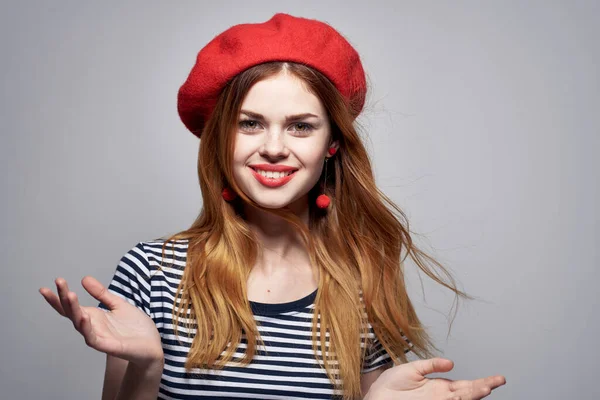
[[125, 331], [408, 381]]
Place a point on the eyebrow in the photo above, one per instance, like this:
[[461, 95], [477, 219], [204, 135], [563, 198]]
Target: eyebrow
[[287, 118]]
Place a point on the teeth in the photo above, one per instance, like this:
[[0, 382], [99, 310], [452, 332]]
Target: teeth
[[272, 174]]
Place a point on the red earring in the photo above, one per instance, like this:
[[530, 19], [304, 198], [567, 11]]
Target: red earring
[[228, 194], [323, 200]]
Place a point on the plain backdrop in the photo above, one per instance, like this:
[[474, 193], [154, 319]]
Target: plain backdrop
[[482, 123]]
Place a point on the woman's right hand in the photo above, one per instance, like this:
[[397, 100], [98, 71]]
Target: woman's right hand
[[125, 331]]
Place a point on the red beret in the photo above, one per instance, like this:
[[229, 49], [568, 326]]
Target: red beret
[[282, 38]]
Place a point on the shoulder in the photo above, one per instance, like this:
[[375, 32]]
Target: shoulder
[[149, 257], [158, 254], [370, 331], [159, 250]]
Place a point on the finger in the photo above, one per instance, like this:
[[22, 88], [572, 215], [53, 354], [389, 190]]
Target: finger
[[491, 382], [63, 291], [432, 365], [86, 330], [476, 389], [77, 311], [99, 292], [53, 300], [473, 393]]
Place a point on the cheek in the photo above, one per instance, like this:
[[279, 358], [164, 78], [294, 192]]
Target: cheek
[[312, 154], [313, 164], [242, 150]]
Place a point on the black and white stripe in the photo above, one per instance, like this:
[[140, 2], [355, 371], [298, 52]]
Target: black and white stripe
[[284, 369]]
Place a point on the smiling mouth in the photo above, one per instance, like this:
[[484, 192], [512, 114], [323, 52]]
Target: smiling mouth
[[273, 174], [272, 179]]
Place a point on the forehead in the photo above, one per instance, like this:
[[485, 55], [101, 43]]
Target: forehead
[[280, 95]]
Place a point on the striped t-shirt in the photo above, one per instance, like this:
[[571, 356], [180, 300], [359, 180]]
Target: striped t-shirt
[[286, 370]]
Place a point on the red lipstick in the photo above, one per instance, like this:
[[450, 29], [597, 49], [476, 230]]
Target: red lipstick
[[273, 167], [273, 182]]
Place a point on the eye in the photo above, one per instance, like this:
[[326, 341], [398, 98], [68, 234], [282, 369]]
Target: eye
[[303, 127], [248, 124]]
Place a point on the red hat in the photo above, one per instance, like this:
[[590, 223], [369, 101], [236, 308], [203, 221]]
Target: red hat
[[282, 38]]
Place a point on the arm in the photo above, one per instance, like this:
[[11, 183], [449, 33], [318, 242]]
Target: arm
[[126, 380], [113, 376], [141, 383], [366, 380]]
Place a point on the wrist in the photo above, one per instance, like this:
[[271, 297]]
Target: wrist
[[150, 361], [372, 394], [368, 396], [141, 381], [153, 365]]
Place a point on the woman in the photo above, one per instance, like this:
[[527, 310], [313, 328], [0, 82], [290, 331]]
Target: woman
[[289, 284]]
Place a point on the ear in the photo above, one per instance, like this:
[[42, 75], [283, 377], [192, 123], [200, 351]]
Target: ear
[[335, 144]]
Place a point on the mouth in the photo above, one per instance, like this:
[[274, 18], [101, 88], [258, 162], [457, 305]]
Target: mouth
[[272, 179]]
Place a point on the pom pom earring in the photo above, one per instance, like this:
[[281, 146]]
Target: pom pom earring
[[228, 194], [323, 200]]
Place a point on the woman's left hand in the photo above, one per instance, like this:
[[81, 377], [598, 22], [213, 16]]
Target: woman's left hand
[[408, 382]]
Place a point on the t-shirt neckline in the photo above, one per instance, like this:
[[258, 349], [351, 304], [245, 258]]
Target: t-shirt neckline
[[280, 308]]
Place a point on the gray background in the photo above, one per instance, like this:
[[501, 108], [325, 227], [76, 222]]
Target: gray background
[[483, 126]]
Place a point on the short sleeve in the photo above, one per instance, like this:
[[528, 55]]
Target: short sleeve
[[131, 279], [377, 356]]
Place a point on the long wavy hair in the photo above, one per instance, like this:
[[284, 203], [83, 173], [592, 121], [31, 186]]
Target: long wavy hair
[[358, 246]]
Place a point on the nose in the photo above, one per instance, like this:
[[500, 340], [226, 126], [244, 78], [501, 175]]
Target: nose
[[274, 146]]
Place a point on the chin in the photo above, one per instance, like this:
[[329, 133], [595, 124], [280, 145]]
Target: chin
[[272, 204]]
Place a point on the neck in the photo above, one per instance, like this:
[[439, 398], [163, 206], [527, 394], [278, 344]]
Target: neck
[[280, 245]]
